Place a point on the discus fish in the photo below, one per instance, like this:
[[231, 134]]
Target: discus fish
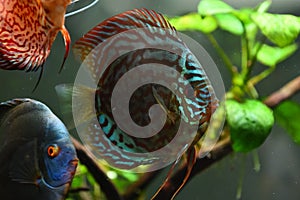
[[28, 29], [154, 42], [37, 158]]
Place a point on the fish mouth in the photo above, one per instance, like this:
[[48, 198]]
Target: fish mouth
[[73, 165]]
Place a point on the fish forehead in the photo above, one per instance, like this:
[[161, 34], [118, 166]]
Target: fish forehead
[[32, 119]]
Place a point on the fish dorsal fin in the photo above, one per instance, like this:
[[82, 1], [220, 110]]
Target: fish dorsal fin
[[23, 165], [132, 19], [8, 105]]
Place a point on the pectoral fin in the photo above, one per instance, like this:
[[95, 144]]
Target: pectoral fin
[[24, 167], [171, 115]]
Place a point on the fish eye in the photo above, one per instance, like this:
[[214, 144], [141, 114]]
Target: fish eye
[[53, 151]]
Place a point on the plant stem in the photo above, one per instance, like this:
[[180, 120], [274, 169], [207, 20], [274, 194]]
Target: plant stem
[[253, 58], [241, 178], [251, 90], [256, 79], [245, 54], [222, 53], [256, 161]]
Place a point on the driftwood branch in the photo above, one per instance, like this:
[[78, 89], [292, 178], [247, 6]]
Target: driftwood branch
[[283, 93], [220, 151]]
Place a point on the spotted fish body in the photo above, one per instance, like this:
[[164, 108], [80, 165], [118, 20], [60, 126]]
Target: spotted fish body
[[37, 157], [27, 31], [154, 34]]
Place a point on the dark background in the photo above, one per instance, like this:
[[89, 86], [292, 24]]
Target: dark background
[[279, 177]]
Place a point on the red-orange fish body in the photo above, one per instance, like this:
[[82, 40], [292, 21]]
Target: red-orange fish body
[[27, 31]]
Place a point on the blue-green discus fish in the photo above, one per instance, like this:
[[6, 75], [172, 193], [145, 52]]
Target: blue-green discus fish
[[37, 157], [143, 44]]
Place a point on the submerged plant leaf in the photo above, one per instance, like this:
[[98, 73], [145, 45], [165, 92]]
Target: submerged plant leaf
[[281, 29], [264, 6], [287, 116], [211, 7], [244, 15], [230, 23], [250, 123], [271, 56], [193, 21]]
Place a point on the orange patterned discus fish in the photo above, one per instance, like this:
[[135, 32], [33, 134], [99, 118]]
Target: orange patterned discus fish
[[27, 31]]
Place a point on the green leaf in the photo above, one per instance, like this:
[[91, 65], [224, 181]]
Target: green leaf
[[211, 7], [264, 6], [244, 15], [250, 123], [281, 29], [271, 56], [287, 116], [194, 21], [230, 23]]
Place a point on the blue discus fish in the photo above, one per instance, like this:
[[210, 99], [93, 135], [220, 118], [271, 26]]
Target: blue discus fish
[[37, 158]]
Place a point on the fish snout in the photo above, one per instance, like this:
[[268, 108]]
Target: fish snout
[[74, 162], [73, 165]]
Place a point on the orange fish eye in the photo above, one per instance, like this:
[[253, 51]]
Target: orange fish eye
[[53, 151]]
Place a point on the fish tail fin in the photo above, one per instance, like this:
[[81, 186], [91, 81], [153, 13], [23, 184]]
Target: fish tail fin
[[84, 103]]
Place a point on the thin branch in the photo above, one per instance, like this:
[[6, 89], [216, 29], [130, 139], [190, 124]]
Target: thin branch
[[85, 158], [284, 93]]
